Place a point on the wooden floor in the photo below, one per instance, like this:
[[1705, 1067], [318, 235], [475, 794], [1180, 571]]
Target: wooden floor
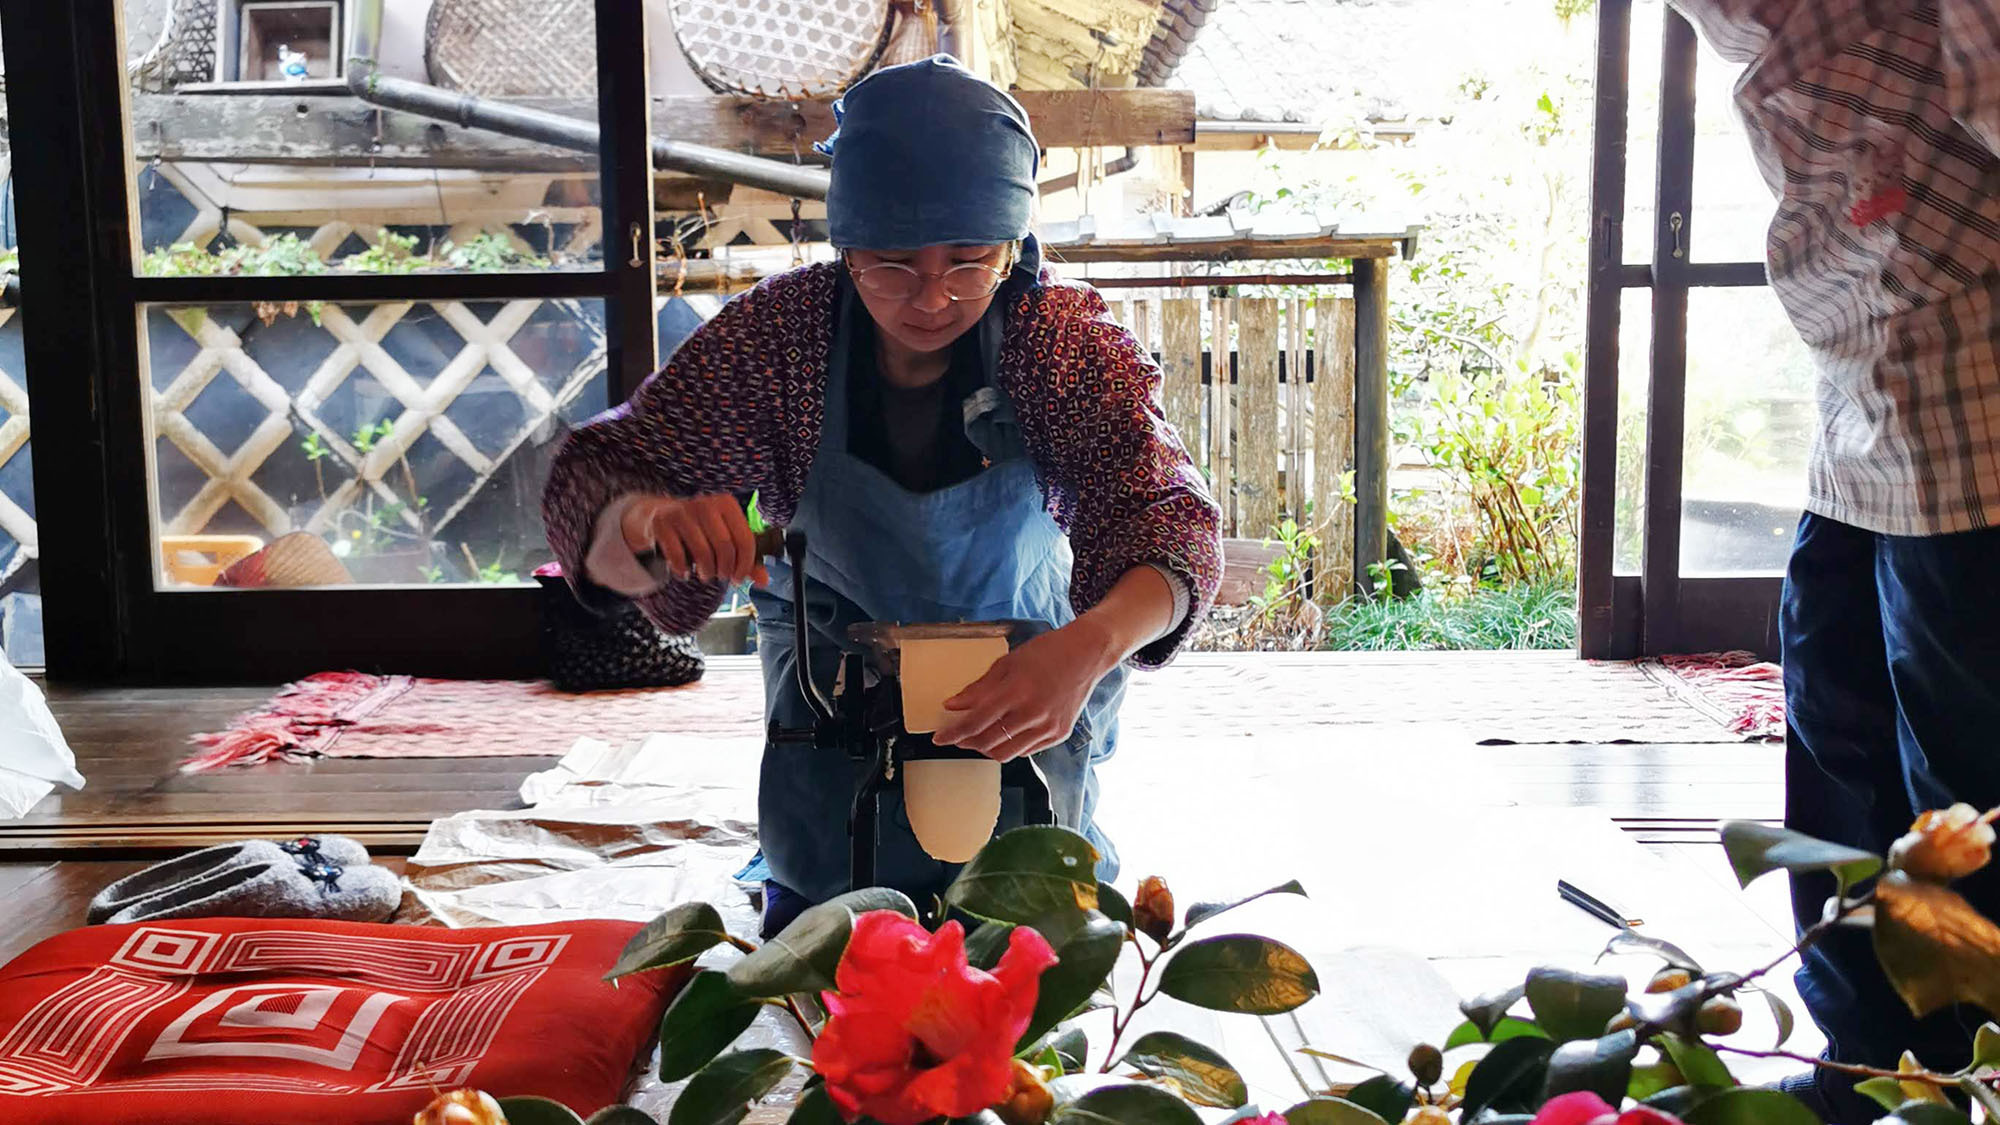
[[137, 807]]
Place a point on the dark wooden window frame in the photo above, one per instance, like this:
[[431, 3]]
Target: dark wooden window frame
[[1659, 610], [81, 309]]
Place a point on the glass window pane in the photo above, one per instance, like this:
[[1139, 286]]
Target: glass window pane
[[1642, 139], [1732, 204], [1750, 420], [277, 168], [1635, 365], [408, 442]]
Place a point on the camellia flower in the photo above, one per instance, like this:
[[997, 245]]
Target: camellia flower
[[1586, 1108], [1945, 844], [913, 1032]]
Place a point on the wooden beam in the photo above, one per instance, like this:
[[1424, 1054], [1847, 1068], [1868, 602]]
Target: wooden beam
[[1358, 246], [325, 130]]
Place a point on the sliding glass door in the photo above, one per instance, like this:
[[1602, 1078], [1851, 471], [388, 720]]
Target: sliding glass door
[[309, 345], [1699, 407]]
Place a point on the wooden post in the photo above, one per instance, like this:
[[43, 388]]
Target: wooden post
[[1220, 423], [1333, 444], [1180, 361], [1257, 506], [1371, 417], [1295, 410], [1184, 204]]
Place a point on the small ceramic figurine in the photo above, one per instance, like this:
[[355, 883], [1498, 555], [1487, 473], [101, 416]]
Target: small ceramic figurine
[[291, 64]]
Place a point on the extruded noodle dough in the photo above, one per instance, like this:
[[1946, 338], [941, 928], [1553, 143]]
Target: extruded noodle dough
[[953, 803]]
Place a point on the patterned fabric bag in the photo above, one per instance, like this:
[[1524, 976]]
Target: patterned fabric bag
[[583, 650]]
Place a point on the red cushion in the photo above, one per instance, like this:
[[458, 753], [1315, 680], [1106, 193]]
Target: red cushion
[[250, 1021]]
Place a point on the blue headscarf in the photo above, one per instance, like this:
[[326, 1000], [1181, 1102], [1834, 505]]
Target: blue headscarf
[[928, 154]]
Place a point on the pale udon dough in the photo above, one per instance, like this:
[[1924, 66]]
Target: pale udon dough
[[933, 671], [953, 803]]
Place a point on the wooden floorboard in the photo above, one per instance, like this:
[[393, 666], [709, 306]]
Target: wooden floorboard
[[1365, 719]]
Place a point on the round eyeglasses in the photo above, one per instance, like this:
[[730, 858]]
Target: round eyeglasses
[[895, 281]]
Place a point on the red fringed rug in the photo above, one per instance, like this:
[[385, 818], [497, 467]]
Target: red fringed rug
[[356, 715], [1743, 693]]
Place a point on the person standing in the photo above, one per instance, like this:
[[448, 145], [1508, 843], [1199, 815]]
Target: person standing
[[1876, 124]]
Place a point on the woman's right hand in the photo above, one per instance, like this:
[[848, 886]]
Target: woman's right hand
[[703, 537]]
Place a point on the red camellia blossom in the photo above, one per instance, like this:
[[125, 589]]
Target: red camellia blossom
[[913, 1032], [1585, 1108]]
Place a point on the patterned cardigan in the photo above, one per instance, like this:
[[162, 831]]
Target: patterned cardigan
[[738, 408]]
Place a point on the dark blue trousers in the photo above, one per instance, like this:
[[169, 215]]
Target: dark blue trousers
[[1892, 681]]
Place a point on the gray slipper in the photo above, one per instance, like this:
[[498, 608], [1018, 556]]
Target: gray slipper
[[344, 851], [304, 851], [274, 890]]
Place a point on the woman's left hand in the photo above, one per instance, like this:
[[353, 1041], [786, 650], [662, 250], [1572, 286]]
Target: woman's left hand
[[1029, 700]]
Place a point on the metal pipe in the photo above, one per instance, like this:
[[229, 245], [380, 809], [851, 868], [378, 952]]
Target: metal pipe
[[368, 83]]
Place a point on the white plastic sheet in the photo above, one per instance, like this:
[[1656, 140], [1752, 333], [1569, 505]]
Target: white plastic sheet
[[610, 832], [34, 759]]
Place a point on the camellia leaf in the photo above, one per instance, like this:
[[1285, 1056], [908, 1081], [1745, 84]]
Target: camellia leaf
[[1885, 1092], [1699, 1064], [1572, 1005], [537, 1111], [1678, 1100], [1781, 1014], [1751, 1107], [815, 1107], [986, 942], [1508, 1078], [1202, 911], [1627, 941], [1385, 1097], [1936, 949], [1651, 1079], [618, 1115], [804, 955], [1332, 1111], [1028, 876], [1125, 1103], [703, 1020], [680, 935], [1082, 963], [1602, 1066], [1240, 973], [1487, 1011], [1072, 1047], [1468, 1033], [721, 1094], [1758, 849], [1111, 903], [1203, 1075]]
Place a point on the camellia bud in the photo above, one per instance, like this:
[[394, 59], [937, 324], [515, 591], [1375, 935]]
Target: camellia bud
[[462, 1107], [1719, 1015], [1426, 1065], [1028, 1101], [1667, 980], [1153, 910], [1945, 844]]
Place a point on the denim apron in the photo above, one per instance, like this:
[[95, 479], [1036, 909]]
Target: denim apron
[[985, 549]]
